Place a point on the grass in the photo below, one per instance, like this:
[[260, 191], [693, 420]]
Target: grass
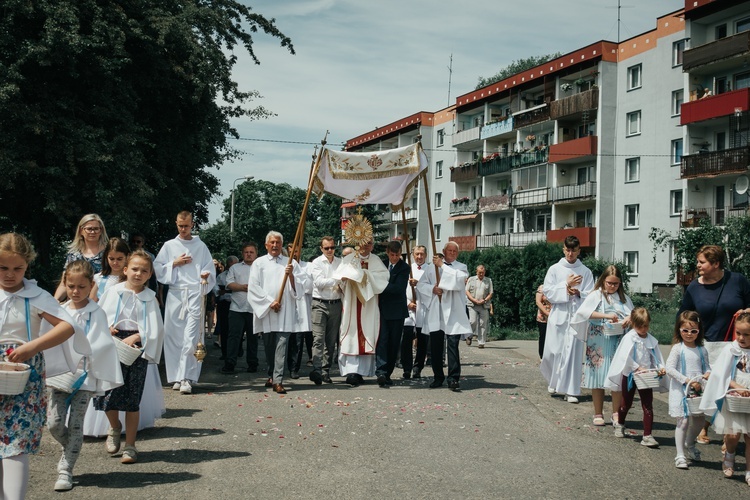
[[662, 327]]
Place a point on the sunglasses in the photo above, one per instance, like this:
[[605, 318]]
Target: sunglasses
[[329, 248], [692, 331]]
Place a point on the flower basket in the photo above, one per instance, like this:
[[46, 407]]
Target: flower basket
[[64, 382], [736, 403], [693, 405], [125, 353], [648, 379], [612, 329], [13, 377]]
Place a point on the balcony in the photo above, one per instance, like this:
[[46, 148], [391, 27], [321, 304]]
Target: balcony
[[695, 217], [715, 51], [711, 164], [715, 106], [411, 216], [586, 235], [497, 203], [568, 106], [530, 116], [493, 240], [464, 207], [500, 164], [498, 128], [574, 151], [465, 136], [530, 197], [465, 172], [465, 243], [574, 192], [510, 239]]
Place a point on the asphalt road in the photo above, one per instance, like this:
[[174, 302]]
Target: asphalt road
[[501, 436]]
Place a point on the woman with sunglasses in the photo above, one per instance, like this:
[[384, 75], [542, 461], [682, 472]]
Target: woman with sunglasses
[[600, 322], [88, 244]]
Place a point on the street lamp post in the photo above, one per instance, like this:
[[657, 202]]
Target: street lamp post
[[231, 215]]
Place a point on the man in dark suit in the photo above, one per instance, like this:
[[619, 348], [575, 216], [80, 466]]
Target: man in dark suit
[[393, 312]]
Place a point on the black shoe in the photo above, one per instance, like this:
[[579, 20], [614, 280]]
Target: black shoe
[[227, 369], [352, 379], [417, 373], [407, 375], [454, 386], [327, 379], [382, 380], [388, 380], [294, 375], [316, 377], [436, 383]]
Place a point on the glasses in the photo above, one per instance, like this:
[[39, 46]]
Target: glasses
[[691, 331], [612, 283], [91, 229], [329, 248]]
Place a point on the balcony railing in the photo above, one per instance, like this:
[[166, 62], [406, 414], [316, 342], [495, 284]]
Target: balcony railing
[[510, 239], [694, 217], [574, 104], [465, 172], [497, 203], [498, 128], [464, 207], [573, 151], [715, 51], [531, 197], [586, 235], [530, 116], [411, 215], [714, 163], [716, 106], [502, 164], [574, 192], [493, 240], [523, 239], [467, 135]]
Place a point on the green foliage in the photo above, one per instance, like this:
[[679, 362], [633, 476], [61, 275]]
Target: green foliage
[[118, 108], [597, 267], [516, 67]]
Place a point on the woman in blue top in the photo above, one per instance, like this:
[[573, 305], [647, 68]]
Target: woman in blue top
[[88, 244]]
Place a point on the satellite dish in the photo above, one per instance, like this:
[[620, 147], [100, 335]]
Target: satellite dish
[[741, 184]]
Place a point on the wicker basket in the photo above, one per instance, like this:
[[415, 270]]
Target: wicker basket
[[612, 329], [125, 353], [693, 405], [13, 377], [64, 382], [648, 379], [736, 403]]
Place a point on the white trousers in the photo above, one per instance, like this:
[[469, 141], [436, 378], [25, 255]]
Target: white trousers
[[182, 326]]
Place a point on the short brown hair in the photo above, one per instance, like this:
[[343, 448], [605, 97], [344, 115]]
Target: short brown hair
[[685, 317], [393, 246], [714, 254]]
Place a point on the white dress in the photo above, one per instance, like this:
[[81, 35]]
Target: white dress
[[683, 364], [733, 364]]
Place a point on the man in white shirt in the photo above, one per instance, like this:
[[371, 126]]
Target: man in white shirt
[[184, 263], [240, 313], [411, 364], [304, 317], [326, 310]]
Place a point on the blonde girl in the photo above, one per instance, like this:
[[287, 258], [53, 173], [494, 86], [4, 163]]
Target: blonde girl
[[113, 263], [687, 366], [133, 316], [96, 373], [32, 322], [88, 244], [731, 371]]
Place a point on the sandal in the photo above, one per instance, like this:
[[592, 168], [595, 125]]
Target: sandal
[[728, 465], [599, 420], [702, 439]]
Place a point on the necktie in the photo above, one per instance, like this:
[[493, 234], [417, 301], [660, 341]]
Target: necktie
[[419, 267], [390, 267]]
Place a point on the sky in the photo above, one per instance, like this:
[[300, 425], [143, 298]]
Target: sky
[[360, 65]]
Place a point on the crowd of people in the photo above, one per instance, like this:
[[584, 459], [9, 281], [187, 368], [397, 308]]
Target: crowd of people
[[356, 313]]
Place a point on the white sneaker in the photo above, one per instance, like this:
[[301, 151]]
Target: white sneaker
[[571, 399], [112, 444], [64, 481], [680, 462], [176, 386], [619, 430], [186, 388], [649, 441], [129, 455], [551, 390]]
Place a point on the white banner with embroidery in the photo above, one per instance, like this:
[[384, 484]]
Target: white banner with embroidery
[[372, 177]]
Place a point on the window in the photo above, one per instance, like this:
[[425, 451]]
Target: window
[[438, 200], [677, 152], [437, 232], [677, 99], [632, 170], [631, 261], [414, 234], [743, 25], [675, 202], [441, 137], [634, 123], [530, 178], [631, 216], [634, 77], [720, 31], [742, 81], [476, 192], [677, 49], [438, 169]]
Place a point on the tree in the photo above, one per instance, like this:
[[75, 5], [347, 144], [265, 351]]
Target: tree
[[516, 67], [113, 107]]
